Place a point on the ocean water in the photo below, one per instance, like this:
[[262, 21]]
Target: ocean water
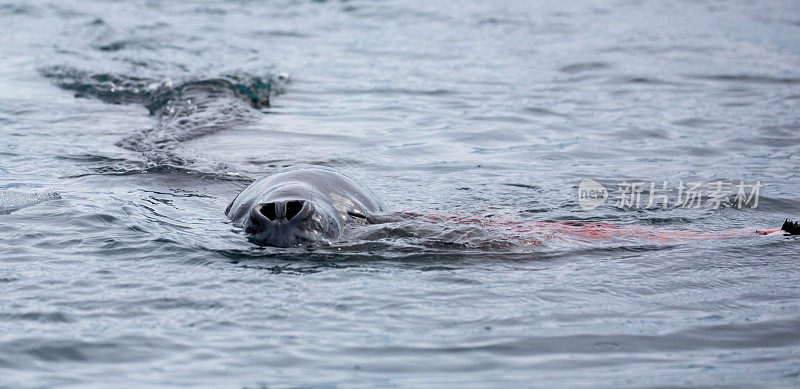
[[126, 128]]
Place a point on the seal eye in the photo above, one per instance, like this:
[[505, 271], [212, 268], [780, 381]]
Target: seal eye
[[268, 210], [357, 214], [293, 208]]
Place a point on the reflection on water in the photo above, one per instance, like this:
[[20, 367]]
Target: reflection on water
[[147, 118]]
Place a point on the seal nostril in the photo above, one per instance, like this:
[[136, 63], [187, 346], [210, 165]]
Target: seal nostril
[[268, 210], [293, 208]]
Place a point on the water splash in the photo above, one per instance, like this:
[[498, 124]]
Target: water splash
[[184, 110]]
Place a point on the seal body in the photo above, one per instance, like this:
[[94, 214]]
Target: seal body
[[302, 205]]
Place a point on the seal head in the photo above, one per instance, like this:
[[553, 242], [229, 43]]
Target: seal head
[[301, 206]]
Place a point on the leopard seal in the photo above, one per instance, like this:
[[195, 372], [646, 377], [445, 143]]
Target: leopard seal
[[300, 206]]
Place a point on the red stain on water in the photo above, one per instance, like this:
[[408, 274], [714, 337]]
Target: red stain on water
[[507, 228]]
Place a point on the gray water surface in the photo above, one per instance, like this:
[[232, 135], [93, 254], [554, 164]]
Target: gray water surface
[[127, 128]]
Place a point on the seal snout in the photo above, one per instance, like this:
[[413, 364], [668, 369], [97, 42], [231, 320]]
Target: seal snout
[[281, 211], [283, 223]]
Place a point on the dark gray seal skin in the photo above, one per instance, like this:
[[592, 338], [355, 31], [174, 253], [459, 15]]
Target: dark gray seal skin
[[12, 200], [301, 206]]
